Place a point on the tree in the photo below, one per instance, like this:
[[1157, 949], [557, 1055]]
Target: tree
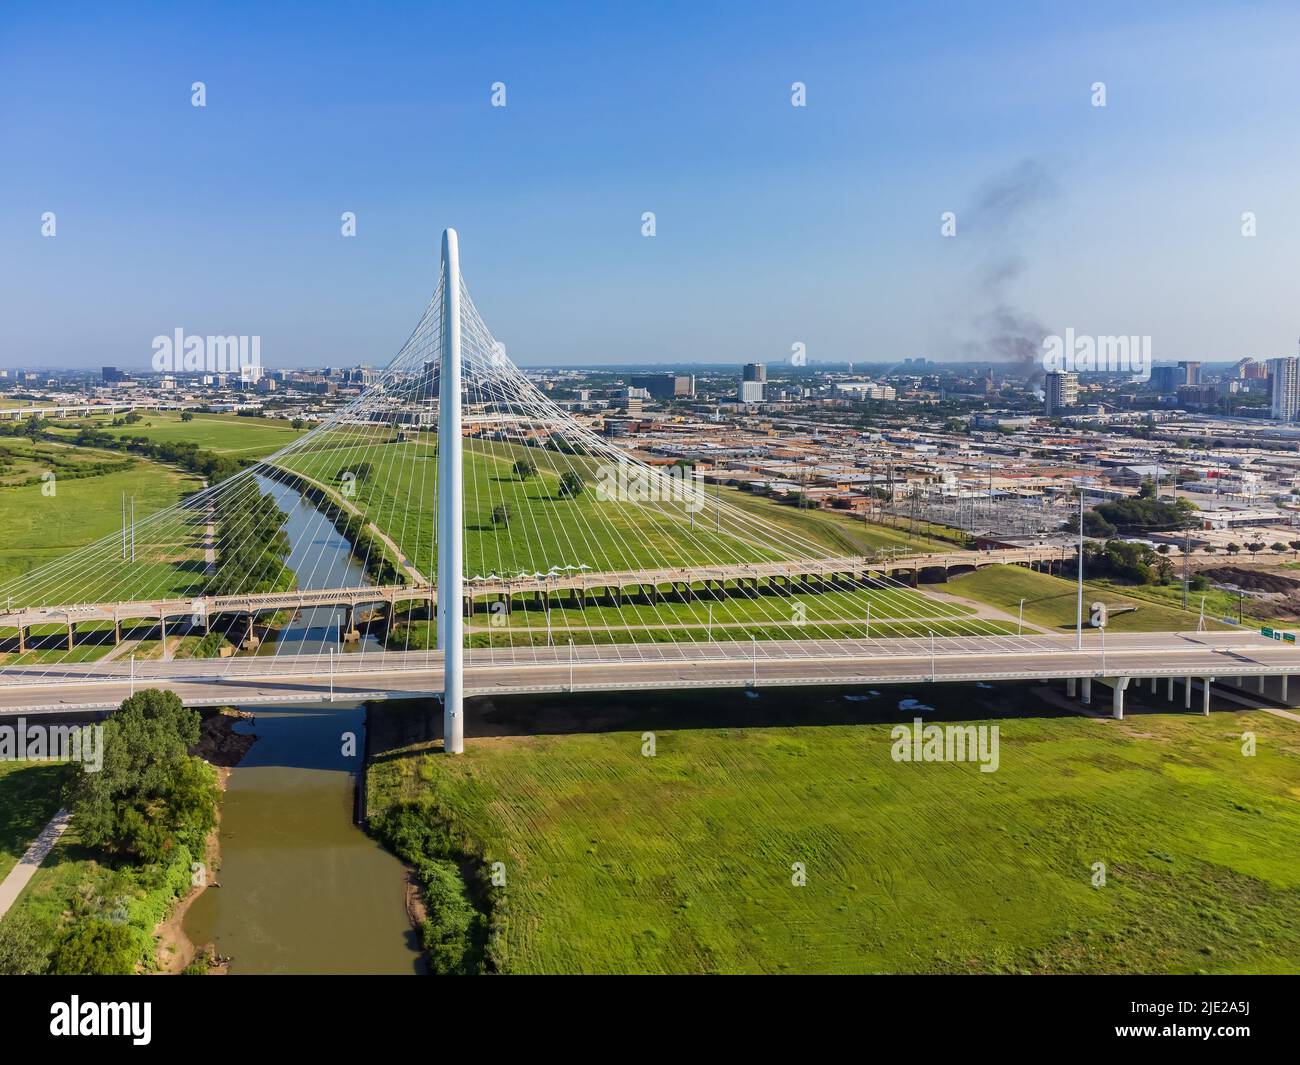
[[1145, 514], [151, 795], [1209, 549], [1234, 549], [571, 484], [1295, 546], [360, 473], [187, 415], [501, 515], [1280, 548], [524, 469], [1094, 525], [1255, 547], [297, 423], [1163, 549]]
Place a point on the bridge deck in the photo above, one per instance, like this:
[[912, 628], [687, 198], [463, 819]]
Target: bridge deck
[[395, 675], [493, 586]]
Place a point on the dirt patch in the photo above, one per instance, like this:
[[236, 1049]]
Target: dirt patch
[[416, 910], [1252, 580], [222, 747], [219, 744]]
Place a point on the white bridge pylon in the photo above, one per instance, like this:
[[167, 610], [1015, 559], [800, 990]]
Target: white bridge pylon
[[537, 534], [451, 522]]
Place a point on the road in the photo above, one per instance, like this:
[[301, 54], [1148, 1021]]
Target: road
[[622, 667]]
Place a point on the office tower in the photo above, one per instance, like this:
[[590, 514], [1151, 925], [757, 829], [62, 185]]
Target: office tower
[[1061, 391], [1284, 377]]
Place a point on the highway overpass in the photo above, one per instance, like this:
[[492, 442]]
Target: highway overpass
[[1116, 661]]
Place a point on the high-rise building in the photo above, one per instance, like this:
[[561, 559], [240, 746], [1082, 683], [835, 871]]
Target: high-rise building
[[1166, 379], [753, 382], [1191, 372], [665, 386], [1284, 377], [1061, 391]]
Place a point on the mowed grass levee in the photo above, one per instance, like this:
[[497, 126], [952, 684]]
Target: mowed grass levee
[[683, 862]]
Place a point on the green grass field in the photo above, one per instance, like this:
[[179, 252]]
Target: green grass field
[[682, 862], [1052, 601], [36, 528], [226, 434]]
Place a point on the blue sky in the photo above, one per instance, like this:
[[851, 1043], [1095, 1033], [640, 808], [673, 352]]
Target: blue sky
[[775, 224]]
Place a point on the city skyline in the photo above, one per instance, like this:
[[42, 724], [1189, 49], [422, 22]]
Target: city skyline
[[775, 224]]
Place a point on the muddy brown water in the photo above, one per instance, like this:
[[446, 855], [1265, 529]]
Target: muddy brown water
[[302, 889]]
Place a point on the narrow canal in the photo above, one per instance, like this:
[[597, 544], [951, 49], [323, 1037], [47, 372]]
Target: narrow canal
[[302, 890]]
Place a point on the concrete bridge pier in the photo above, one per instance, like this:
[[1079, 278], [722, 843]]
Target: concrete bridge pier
[[1187, 693], [162, 636], [1070, 684], [1117, 697], [72, 629], [24, 632], [1284, 678], [1085, 696], [251, 642], [1205, 695], [350, 633], [1170, 693]]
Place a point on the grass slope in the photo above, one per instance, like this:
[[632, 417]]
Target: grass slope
[[1053, 601]]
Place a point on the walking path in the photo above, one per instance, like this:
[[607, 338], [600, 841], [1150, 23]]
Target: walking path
[[31, 860]]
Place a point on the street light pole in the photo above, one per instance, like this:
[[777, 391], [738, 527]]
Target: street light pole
[[1079, 632], [1020, 624]]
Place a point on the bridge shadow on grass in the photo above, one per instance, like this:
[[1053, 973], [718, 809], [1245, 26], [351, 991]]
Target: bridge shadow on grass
[[399, 723], [29, 797]]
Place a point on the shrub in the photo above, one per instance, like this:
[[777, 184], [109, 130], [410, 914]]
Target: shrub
[[96, 948], [24, 946]]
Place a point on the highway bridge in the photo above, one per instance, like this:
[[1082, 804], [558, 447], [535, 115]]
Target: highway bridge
[[808, 575], [1192, 660]]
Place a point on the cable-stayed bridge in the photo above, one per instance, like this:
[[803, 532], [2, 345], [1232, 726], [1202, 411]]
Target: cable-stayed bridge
[[499, 545]]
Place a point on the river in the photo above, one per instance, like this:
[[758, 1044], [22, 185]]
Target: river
[[302, 889]]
